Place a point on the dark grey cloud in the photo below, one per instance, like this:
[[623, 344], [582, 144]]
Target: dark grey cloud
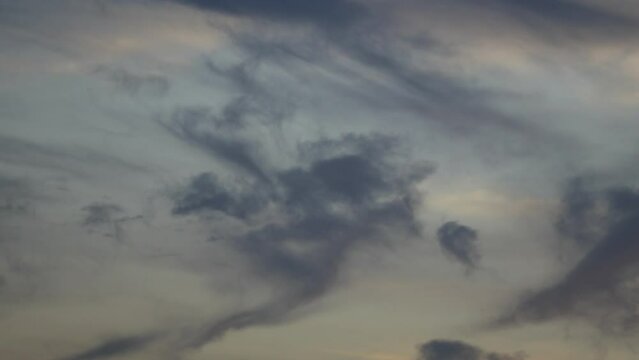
[[343, 194], [329, 206], [572, 18], [301, 215], [107, 217], [327, 13], [457, 350], [206, 193], [371, 145], [449, 102], [582, 217], [101, 213], [556, 20], [227, 133], [232, 150], [255, 101], [459, 242], [113, 347], [602, 287], [135, 84], [445, 100]]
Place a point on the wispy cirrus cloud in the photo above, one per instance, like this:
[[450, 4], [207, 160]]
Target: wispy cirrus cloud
[[330, 13]]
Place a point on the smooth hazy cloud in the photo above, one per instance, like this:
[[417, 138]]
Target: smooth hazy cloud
[[460, 243], [457, 350]]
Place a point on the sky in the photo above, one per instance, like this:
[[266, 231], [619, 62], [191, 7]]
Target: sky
[[326, 180]]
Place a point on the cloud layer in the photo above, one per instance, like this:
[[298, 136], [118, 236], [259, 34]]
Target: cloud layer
[[178, 172]]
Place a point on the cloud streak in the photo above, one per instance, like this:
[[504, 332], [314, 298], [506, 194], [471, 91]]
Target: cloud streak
[[328, 13], [573, 19], [113, 347]]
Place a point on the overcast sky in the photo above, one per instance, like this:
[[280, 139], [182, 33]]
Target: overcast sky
[[319, 179]]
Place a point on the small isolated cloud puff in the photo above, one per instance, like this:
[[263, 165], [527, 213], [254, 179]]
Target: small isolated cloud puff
[[459, 243]]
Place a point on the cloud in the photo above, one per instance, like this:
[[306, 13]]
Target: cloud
[[232, 150], [571, 18], [450, 101], [15, 195], [113, 347], [583, 213], [109, 217], [74, 160], [227, 133], [135, 84], [205, 193], [458, 350], [373, 57], [554, 20], [100, 213], [326, 208], [328, 13], [602, 287], [298, 230], [459, 242], [256, 102]]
